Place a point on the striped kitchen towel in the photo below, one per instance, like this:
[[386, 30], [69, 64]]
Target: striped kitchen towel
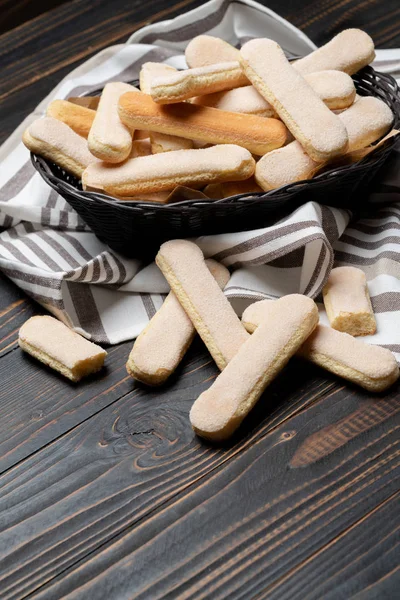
[[48, 251]]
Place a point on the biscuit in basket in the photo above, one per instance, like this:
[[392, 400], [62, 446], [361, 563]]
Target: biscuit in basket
[[161, 142], [183, 266], [335, 88], [109, 139], [365, 121], [162, 344], [320, 132], [165, 171], [57, 346], [179, 86], [258, 134], [79, 118], [204, 50], [347, 302], [57, 142], [218, 411], [149, 71], [349, 51], [371, 367]]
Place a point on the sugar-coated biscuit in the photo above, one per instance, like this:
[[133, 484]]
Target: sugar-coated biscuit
[[162, 142], [218, 412], [158, 197], [258, 134], [347, 302], [79, 118], [349, 51], [109, 139], [204, 50], [183, 266], [57, 142], [141, 134], [320, 132], [150, 70], [179, 86], [335, 88], [285, 165], [57, 346], [166, 170], [162, 344], [372, 367], [365, 121]]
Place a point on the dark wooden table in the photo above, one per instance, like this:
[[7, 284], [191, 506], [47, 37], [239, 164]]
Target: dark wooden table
[[104, 490]]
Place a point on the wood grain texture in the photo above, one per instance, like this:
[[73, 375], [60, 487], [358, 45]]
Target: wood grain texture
[[104, 490], [198, 521]]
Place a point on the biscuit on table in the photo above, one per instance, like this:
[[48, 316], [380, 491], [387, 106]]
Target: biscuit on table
[[347, 302], [218, 411], [57, 346], [162, 344], [371, 367], [182, 264]]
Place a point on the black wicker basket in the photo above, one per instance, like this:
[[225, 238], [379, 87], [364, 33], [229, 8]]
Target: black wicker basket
[[137, 229]]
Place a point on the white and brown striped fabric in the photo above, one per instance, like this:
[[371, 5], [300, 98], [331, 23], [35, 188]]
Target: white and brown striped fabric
[[47, 250]]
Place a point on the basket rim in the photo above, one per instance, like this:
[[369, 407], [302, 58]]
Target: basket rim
[[42, 166]]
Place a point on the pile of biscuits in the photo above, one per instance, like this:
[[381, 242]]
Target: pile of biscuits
[[236, 121], [248, 363]]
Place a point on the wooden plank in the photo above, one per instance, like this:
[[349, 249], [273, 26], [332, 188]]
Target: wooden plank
[[37, 55], [131, 504], [17, 12]]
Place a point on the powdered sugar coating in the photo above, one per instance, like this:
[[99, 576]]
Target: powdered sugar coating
[[52, 337], [348, 51], [320, 132], [283, 166], [109, 139], [219, 410], [347, 290], [183, 265], [366, 121], [150, 70], [181, 85], [56, 141], [168, 169], [205, 50]]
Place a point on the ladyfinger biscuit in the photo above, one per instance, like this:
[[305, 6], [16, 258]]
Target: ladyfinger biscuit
[[205, 50], [165, 171], [57, 142], [218, 412], [372, 367], [183, 266], [79, 118], [349, 51], [347, 302], [162, 344], [109, 139], [161, 142], [285, 165], [336, 90], [51, 342], [149, 71], [258, 134], [179, 86], [320, 132], [366, 121]]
